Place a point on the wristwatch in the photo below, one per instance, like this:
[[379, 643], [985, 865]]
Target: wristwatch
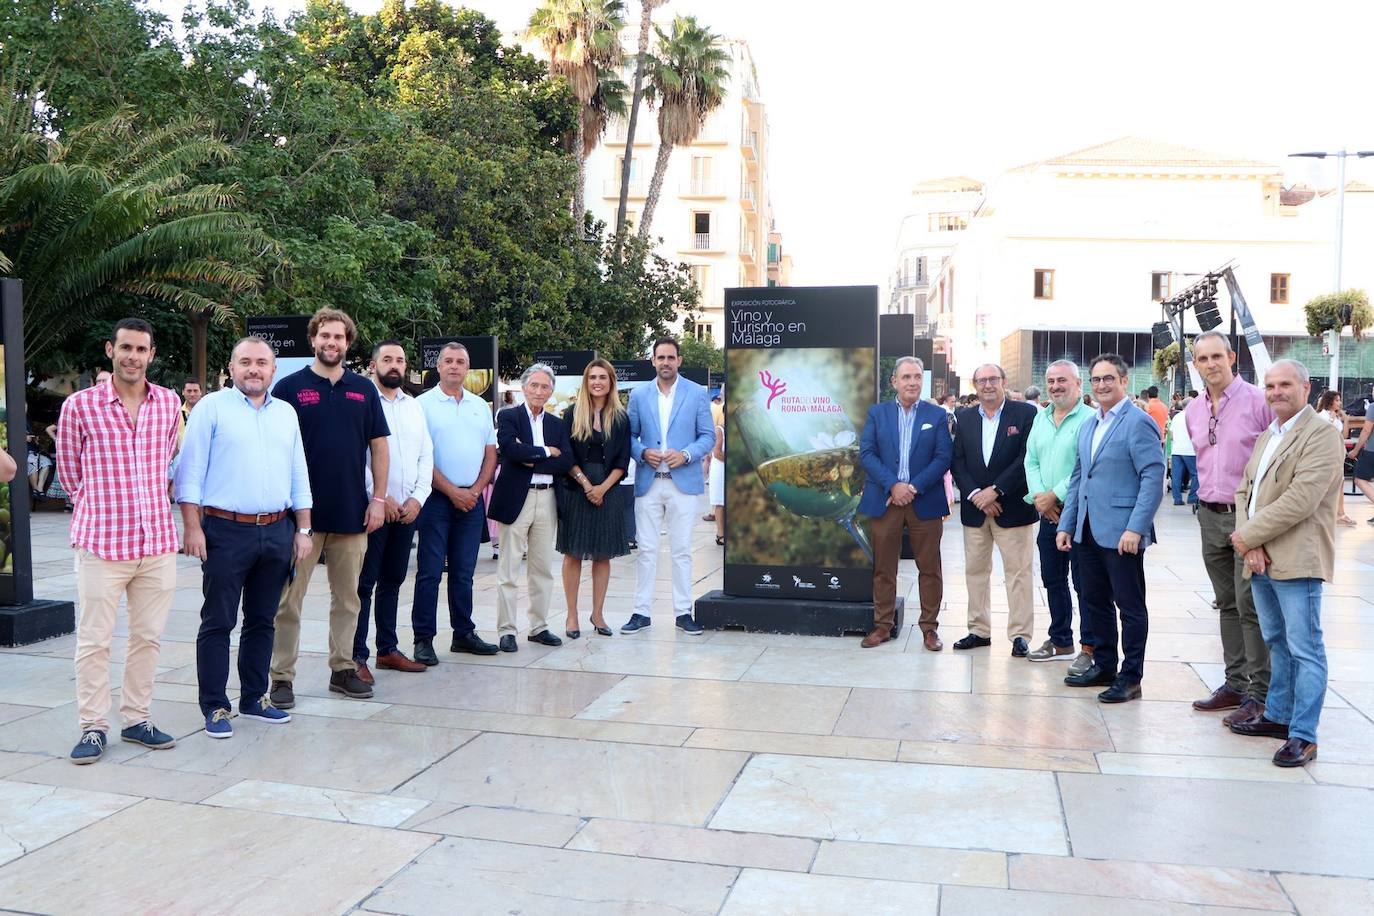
[[308, 532]]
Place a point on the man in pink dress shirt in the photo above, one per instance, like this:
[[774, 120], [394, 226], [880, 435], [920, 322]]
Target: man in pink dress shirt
[[1224, 424]]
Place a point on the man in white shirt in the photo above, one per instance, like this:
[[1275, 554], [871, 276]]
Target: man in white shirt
[[534, 449], [1183, 458], [410, 477]]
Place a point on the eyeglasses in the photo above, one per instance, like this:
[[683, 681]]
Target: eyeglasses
[[1212, 431], [988, 380], [1103, 379]]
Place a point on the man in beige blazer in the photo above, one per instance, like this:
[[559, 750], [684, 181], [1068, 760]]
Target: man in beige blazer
[[1286, 531]]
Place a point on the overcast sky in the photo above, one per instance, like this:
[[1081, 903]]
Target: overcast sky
[[867, 98]]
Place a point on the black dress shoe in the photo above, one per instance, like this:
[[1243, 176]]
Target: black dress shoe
[[1260, 728], [471, 643], [1019, 649], [973, 642], [543, 637], [1121, 691], [424, 652], [508, 644], [1295, 752], [1093, 677]]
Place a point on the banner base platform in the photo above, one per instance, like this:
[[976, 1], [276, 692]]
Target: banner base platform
[[716, 610], [21, 624]]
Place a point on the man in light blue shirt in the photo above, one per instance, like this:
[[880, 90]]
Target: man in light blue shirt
[[241, 479], [450, 523]]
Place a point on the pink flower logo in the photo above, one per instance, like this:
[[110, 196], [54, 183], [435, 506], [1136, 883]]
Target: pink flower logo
[[775, 386]]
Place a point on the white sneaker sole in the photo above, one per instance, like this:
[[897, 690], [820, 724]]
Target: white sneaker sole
[[228, 734], [1054, 658], [270, 721]]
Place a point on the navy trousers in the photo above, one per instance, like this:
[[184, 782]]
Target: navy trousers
[[1111, 581], [247, 563], [1056, 569], [446, 532], [384, 568]]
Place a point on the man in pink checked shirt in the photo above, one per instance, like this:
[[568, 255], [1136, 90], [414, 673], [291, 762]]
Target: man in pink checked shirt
[[1224, 424], [114, 443]]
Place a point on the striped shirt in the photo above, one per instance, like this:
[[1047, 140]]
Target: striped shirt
[[116, 471]]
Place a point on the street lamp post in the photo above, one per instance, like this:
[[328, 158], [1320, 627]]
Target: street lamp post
[[1342, 155]]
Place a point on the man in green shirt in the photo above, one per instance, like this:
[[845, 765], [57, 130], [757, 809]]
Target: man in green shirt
[[1050, 454]]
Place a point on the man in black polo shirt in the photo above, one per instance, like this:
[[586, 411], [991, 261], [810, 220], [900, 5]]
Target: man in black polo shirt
[[341, 422]]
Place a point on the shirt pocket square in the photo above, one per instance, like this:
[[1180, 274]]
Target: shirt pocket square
[[925, 426], [1012, 431]]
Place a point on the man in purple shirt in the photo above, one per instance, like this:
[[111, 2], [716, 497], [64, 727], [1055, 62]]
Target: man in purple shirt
[[1224, 424]]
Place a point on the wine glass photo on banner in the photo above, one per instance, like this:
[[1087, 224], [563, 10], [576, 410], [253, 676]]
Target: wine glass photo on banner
[[801, 441]]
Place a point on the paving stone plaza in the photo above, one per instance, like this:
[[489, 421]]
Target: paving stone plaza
[[725, 773]]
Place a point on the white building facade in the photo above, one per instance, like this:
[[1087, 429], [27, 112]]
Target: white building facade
[[1093, 240], [715, 211]]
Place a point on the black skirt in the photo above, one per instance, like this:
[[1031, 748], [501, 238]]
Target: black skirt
[[591, 532]]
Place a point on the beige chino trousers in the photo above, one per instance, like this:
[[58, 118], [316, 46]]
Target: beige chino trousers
[[148, 583], [532, 535], [345, 564], [1017, 547]]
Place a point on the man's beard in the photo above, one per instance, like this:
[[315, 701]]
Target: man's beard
[[390, 380], [330, 361]]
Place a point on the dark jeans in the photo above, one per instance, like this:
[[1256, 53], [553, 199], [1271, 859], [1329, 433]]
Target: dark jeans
[[1056, 568], [244, 563], [384, 566], [446, 532], [1184, 465], [1110, 578]]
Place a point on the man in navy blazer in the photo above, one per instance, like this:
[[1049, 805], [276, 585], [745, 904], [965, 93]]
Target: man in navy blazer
[[905, 451], [990, 469], [1117, 484], [534, 448], [670, 433]]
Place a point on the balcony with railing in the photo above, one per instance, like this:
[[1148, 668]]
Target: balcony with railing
[[748, 198], [701, 241], [913, 280], [748, 248], [749, 145], [639, 188], [702, 187]]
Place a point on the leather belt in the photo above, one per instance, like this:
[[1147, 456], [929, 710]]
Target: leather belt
[[1223, 508], [259, 519], [540, 486], [663, 475]]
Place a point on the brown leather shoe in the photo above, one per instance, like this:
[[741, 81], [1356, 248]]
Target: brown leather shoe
[[364, 674], [1222, 698], [396, 661], [1248, 711], [876, 637], [932, 641], [1295, 752]]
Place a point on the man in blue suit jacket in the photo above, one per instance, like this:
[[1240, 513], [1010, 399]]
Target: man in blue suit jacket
[[905, 451], [534, 449], [670, 432], [1117, 484]]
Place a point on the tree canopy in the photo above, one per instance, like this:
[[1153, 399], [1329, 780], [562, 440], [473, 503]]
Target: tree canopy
[[406, 166]]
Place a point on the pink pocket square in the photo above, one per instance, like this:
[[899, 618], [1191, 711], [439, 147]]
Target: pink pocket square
[[1012, 430]]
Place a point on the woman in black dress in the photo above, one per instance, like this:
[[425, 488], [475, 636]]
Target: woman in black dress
[[591, 519]]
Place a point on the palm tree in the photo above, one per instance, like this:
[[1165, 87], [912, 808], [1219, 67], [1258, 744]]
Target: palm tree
[[110, 213], [646, 9], [687, 76], [607, 102], [582, 39]]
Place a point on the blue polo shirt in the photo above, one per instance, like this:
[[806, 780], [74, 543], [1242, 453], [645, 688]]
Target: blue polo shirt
[[461, 429], [338, 423]]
